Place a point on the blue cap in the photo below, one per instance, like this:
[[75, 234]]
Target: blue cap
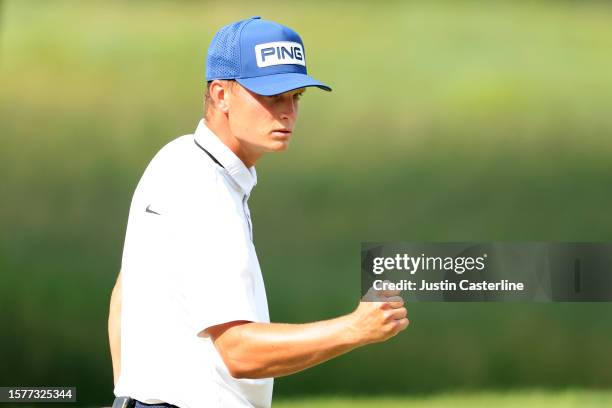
[[265, 57]]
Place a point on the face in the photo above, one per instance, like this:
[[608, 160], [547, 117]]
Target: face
[[262, 123]]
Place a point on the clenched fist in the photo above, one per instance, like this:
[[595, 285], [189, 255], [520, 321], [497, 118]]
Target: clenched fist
[[380, 316]]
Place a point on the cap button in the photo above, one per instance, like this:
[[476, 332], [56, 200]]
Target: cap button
[[255, 18]]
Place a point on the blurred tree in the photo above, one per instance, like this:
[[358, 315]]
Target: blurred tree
[[1, 6]]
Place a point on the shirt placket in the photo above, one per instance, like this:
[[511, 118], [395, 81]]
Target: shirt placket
[[247, 214]]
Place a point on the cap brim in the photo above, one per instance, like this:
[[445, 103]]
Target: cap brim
[[280, 83]]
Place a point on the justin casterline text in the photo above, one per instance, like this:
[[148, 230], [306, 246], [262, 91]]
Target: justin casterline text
[[459, 265]]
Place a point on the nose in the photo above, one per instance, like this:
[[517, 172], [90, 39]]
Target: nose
[[289, 108]]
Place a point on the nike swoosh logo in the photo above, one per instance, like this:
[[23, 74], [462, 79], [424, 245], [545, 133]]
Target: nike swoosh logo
[[149, 210]]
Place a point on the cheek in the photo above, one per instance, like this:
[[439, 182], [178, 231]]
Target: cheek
[[246, 121], [256, 114], [239, 114]]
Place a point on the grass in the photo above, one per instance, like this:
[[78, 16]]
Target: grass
[[510, 399]]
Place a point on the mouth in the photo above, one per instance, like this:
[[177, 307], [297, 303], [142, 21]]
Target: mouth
[[281, 133]]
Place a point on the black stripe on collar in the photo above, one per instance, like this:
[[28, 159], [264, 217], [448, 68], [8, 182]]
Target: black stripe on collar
[[208, 153]]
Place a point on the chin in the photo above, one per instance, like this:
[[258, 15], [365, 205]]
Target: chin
[[279, 146]]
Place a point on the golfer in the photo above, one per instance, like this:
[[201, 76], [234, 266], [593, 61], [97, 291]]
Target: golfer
[[188, 321]]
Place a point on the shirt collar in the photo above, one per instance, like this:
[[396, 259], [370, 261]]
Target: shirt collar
[[245, 177]]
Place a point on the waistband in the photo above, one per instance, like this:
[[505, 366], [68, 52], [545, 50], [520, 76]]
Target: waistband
[[139, 404]]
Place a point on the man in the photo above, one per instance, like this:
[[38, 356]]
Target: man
[[189, 322]]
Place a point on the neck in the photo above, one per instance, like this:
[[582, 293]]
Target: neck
[[222, 130]]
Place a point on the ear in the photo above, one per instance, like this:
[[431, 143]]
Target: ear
[[220, 94]]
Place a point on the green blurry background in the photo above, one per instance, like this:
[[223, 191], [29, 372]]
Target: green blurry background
[[448, 121]]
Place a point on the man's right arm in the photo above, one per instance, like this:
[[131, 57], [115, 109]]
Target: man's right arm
[[260, 350], [114, 328]]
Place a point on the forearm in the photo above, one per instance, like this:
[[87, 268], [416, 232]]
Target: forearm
[[262, 350], [114, 329]]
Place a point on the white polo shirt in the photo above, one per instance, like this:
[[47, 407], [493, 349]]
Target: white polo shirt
[[189, 263]]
